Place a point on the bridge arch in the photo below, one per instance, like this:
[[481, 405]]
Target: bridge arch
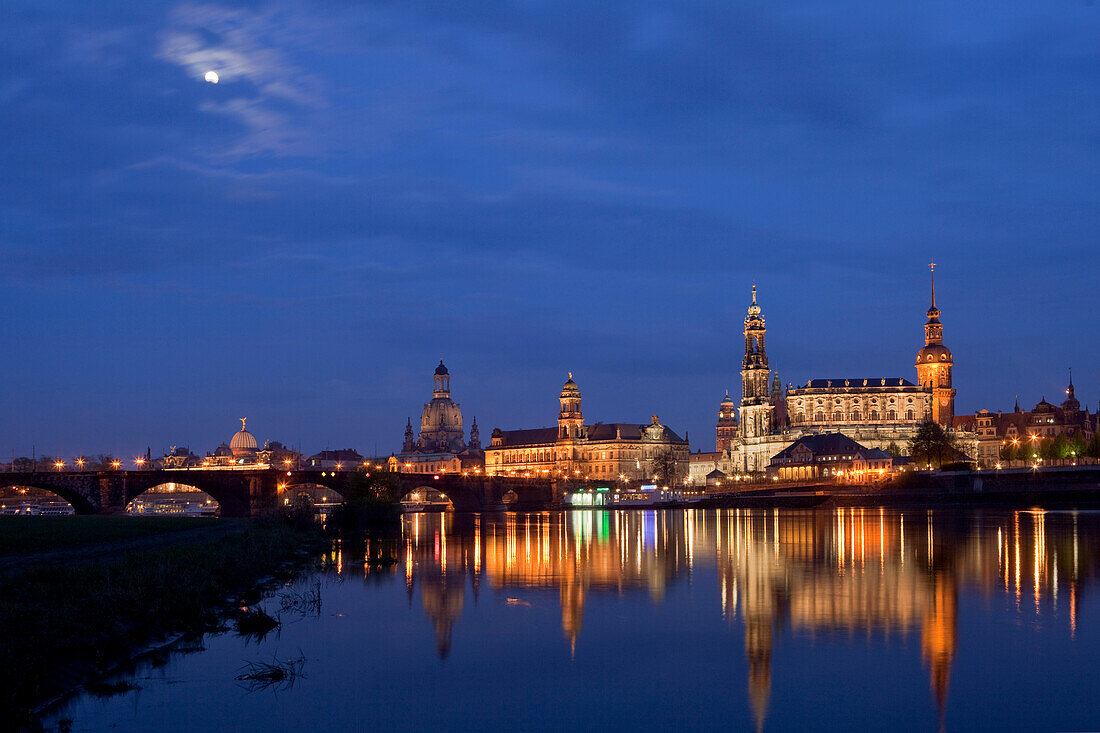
[[232, 490], [15, 499], [174, 498], [426, 498], [77, 501], [316, 495]]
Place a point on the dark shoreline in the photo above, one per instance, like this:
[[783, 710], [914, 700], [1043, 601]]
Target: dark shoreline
[[83, 621]]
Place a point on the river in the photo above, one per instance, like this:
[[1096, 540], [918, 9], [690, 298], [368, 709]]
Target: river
[[702, 619]]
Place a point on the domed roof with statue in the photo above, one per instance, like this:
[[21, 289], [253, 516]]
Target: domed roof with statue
[[243, 442]]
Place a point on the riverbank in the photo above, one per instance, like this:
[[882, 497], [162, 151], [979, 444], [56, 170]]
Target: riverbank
[[104, 587], [1059, 487]]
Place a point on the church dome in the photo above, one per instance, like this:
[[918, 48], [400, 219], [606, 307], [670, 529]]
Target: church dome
[[441, 426], [570, 388], [441, 370], [243, 442], [938, 352]]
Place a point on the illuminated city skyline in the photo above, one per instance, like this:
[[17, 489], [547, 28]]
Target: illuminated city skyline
[[298, 240]]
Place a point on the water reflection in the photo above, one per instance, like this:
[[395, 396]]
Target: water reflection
[[806, 573]]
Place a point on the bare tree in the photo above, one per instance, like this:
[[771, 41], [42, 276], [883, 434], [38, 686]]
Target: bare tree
[[668, 467]]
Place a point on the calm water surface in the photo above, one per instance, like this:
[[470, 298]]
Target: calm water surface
[[772, 620]]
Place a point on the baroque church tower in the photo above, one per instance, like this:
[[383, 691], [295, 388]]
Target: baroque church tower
[[756, 406], [570, 419], [934, 364]]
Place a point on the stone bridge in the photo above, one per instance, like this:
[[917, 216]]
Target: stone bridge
[[250, 492]]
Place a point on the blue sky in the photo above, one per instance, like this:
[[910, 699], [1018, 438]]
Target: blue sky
[[529, 188]]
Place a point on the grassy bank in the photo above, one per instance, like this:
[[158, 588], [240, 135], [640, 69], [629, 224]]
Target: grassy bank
[[60, 624], [43, 534]]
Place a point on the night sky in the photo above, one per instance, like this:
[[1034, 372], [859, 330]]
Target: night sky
[[528, 189]]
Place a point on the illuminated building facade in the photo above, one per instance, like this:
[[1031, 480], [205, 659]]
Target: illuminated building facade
[[177, 457], [602, 451], [874, 411], [440, 446], [242, 450], [829, 455], [701, 465], [995, 430]]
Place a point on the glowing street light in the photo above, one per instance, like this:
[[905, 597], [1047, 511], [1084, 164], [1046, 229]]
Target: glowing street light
[[80, 462], [116, 464], [59, 465], [140, 462]]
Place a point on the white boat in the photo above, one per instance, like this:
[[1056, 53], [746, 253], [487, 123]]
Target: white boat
[[171, 507], [647, 495]]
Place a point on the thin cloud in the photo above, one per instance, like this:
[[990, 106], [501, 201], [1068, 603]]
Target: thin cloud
[[273, 96]]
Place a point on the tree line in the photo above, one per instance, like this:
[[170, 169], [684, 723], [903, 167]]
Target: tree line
[[25, 464], [1050, 448]]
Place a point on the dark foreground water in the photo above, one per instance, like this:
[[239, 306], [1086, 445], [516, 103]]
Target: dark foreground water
[[596, 620]]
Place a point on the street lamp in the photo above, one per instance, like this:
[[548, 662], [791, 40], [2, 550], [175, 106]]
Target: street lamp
[[116, 464], [140, 462], [59, 465]]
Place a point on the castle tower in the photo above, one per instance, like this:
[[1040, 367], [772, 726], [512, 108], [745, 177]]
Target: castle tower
[[934, 364], [756, 406], [410, 442], [570, 419], [1071, 406], [726, 430]]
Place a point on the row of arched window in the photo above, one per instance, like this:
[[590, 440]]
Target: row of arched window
[[854, 416]]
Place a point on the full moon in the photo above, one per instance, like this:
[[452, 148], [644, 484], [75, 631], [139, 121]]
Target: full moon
[[212, 77]]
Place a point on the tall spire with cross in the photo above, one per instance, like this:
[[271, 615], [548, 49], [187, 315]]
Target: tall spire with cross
[[935, 363], [932, 271]]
